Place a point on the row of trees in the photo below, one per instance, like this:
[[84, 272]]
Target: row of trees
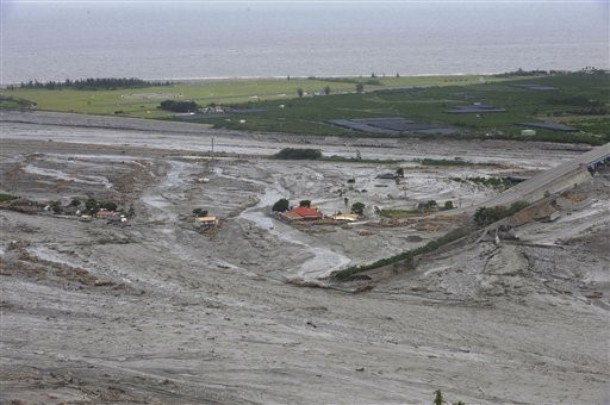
[[539, 72], [107, 83], [90, 206], [327, 89], [499, 183]]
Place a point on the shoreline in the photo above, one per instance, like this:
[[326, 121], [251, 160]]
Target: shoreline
[[303, 77], [203, 79]]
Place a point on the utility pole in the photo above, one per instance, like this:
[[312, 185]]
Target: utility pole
[[212, 149]]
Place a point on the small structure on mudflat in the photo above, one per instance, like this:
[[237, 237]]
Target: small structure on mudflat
[[346, 218], [207, 222], [105, 214]]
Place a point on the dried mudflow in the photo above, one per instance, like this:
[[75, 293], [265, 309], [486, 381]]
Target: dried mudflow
[[154, 311]]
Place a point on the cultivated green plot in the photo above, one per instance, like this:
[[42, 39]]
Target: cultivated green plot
[[579, 100]]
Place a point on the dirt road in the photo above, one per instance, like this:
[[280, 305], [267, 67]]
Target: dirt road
[[157, 312]]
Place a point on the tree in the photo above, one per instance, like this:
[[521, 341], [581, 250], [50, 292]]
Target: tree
[[300, 92], [305, 203], [438, 398], [131, 212], [358, 208], [75, 202], [488, 215], [448, 205], [200, 212], [359, 87], [400, 172], [108, 205], [281, 205], [56, 207], [92, 205], [327, 90]]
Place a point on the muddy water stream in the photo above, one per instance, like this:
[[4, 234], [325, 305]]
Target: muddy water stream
[[324, 260]]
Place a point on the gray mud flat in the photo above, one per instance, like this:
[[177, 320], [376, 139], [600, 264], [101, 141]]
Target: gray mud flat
[[157, 312]]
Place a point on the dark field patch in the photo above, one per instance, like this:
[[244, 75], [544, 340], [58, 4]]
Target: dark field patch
[[552, 126], [391, 126]]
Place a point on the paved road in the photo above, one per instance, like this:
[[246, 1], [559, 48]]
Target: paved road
[[547, 178]]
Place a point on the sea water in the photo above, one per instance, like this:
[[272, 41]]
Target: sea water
[[159, 40]]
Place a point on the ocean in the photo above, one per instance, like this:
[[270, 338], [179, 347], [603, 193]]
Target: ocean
[[188, 40]]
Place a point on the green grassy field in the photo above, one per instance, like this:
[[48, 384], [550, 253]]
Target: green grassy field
[[143, 102], [423, 99]]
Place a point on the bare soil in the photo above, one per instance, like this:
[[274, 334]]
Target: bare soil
[[157, 312]]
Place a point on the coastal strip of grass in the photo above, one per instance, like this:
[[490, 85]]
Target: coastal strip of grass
[[143, 101]]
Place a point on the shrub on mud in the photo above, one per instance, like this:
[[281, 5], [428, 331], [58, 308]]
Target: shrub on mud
[[488, 215], [296, 154], [200, 212], [93, 206], [281, 205], [358, 208], [7, 197], [179, 106]]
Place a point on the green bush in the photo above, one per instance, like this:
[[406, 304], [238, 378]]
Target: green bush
[[296, 154], [56, 207], [179, 106], [488, 215], [358, 208], [92, 205], [200, 212], [438, 398], [281, 205], [108, 205], [7, 197]]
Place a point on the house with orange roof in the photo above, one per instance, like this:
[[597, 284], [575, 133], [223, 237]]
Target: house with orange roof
[[301, 213]]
